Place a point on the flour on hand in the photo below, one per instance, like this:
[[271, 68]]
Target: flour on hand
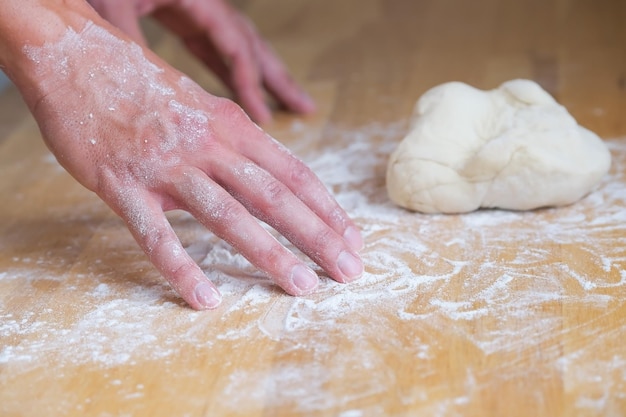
[[513, 147]]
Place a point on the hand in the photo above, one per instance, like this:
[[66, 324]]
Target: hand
[[147, 139], [225, 41]]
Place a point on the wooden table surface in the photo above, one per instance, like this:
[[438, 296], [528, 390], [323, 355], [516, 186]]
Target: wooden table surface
[[492, 313]]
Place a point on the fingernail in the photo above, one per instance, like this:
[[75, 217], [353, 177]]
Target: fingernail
[[352, 235], [307, 102], [207, 295], [350, 265], [304, 278]]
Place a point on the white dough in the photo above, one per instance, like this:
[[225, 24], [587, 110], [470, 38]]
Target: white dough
[[513, 147]]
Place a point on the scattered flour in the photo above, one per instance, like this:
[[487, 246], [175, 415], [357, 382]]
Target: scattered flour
[[484, 280]]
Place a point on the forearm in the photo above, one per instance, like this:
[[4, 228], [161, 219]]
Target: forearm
[[31, 24]]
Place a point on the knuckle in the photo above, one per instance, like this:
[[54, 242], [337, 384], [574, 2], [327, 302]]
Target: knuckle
[[226, 212], [151, 239], [273, 192], [272, 257], [338, 217], [325, 238], [299, 173], [179, 274], [230, 110]]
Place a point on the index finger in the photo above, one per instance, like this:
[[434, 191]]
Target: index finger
[[147, 223], [222, 27], [258, 146], [274, 74]]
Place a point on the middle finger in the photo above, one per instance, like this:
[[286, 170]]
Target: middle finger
[[273, 202]]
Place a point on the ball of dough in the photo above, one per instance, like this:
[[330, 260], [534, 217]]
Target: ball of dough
[[513, 147]]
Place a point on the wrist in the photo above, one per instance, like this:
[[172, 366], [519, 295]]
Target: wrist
[[31, 24]]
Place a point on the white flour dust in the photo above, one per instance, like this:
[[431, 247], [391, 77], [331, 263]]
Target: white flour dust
[[486, 280]]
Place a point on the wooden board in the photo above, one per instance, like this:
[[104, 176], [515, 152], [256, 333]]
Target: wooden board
[[488, 314]]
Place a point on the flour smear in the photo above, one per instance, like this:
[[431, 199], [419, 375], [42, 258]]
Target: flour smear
[[485, 281]]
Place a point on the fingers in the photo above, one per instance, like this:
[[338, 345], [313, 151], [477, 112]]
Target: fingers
[[270, 200], [123, 14], [150, 228], [309, 189], [283, 88], [276, 78], [228, 44], [227, 218], [266, 152], [223, 30], [207, 54]]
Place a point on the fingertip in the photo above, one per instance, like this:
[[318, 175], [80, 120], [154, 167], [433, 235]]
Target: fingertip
[[350, 266], [306, 104], [206, 296], [353, 237], [304, 279]]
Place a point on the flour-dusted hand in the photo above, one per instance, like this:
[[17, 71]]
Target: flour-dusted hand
[[147, 139], [225, 41]]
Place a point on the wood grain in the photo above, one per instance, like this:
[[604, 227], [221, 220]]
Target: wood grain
[[488, 314]]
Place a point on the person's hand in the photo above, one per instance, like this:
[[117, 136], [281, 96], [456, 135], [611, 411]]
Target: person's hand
[[147, 139], [222, 39]]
